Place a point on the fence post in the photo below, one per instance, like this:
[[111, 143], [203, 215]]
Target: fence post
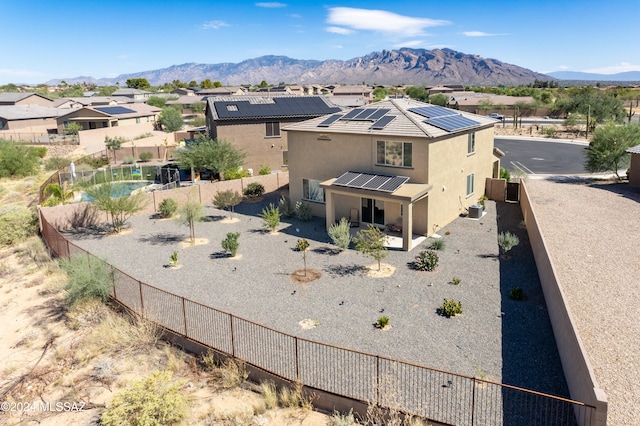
[[473, 402], [297, 366], [113, 281], [233, 345], [377, 380], [184, 316], [141, 300]]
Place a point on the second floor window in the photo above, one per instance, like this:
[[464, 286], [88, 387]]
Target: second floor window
[[471, 144], [273, 129], [397, 154]]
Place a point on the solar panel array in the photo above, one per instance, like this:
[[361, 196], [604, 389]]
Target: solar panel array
[[303, 106], [371, 181], [444, 118], [114, 110], [383, 122], [377, 115], [329, 121]]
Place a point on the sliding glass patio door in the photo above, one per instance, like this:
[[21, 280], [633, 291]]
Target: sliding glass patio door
[[373, 211]]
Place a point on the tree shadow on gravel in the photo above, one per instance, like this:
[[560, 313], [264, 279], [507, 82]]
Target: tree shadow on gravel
[[530, 356], [94, 231], [330, 251], [337, 271], [161, 239]]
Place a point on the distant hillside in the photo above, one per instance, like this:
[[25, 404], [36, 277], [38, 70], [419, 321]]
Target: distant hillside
[[403, 66], [575, 75]]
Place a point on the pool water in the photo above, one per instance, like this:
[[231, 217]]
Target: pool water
[[119, 189]]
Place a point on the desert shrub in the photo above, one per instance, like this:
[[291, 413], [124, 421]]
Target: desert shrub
[[130, 159], [382, 322], [254, 189], [271, 217], [550, 132], [153, 400], [270, 394], [40, 151], [143, 136], [227, 200], [426, 260], [264, 170], [55, 163], [17, 159], [198, 121], [167, 207], [505, 174], [450, 308], [173, 259], [516, 293], [236, 174], [284, 205], [93, 162], [339, 419], [303, 211], [507, 241], [232, 373], [230, 244], [339, 233], [88, 278], [120, 209], [456, 281], [370, 242], [438, 244], [16, 225], [294, 397], [145, 156]]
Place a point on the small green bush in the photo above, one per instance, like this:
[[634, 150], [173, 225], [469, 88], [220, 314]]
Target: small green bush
[[340, 234], [505, 174], [55, 163], [271, 217], [284, 205], [303, 211], [173, 259], [154, 400], [236, 174], [130, 159], [41, 151], [17, 159], [93, 162], [227, 200], [89, 278], [167, 207], [438, 244], [450, 308], [426, 260], [146, 156], [254, 189], [516, 293], [230, 244], [507, 241], [382, 322], [16, 225], [456, 281], [264, 170]]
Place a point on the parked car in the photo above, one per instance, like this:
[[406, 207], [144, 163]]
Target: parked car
[[496, 116]]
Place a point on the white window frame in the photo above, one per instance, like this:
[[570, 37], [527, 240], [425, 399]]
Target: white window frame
[[309, 185], [470, 184], [403, 159], [272, 129], [471, 143]]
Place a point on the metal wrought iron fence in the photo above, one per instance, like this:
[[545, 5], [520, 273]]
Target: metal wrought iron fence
[[433, 394]]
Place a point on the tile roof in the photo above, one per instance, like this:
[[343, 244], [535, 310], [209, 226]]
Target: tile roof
[[26, 112], [16, 97]]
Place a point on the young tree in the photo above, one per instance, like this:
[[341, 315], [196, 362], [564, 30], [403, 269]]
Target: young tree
[[370, 242], [170, 119], [157, 101], [190, 213], [72, 128], [58, 194], [138, 83], [119, 208], [607, 149], [227, 200], [113, 144], [439, 99], [206, 153], [302, 245]]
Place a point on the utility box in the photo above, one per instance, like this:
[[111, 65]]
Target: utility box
[[475, 211]]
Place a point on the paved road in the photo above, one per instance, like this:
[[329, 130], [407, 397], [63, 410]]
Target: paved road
[[541, 156]]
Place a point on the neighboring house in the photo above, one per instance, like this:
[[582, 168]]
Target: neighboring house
[[634, 167], [400, 163], [222, 91], [15, 99], [101, 100], [29, 118], [185, 102], [364, 92], [485, 103], [135, 94], [180, 91], [252, 124], [98, 117]]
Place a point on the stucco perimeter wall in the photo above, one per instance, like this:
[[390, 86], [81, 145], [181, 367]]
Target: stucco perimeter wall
[[93, 140], [634, 174], [575, 362]]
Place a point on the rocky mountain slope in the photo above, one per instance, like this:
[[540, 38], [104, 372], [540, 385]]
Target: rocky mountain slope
[[403, 66]]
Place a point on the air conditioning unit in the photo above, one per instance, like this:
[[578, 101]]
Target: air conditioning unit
[[475, 211]]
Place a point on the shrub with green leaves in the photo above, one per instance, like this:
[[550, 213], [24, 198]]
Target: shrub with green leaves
[[438, 244], [516, 293], [254, 189], [16, 225], [230, 244], [145, 156], [450, 308], [507, 241], [382, 322], [236, 174], [271, 217], [227, 200], [93, 162], [41, 151], [303, 211], [167, 207], [153, 400], [370, 242], [17, 159], [284, 205], [88, 278], [264, 170], [426, 260], [340, 233], [55, 163], [120, 209], [130, 159]]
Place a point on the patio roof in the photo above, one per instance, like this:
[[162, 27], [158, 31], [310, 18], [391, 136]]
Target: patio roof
[[409, 192]]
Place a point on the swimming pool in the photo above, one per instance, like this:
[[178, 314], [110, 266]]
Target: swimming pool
[[119, 189]]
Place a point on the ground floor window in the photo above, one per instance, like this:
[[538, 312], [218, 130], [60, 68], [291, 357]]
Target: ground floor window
[[312, 191], [470, 179]]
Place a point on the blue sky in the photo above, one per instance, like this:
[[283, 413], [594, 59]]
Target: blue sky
[[42, 40]]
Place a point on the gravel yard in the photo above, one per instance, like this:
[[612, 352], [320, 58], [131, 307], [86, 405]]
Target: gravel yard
[[593, 234]]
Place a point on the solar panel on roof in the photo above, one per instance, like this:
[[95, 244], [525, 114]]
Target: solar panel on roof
[[278, 107], [376, 182], [346, 177], [379, 113], [114, 110], [452, 123], [394, 183], [329, 121], [352, 113], [383, 122], [371, 181], [433, 111]]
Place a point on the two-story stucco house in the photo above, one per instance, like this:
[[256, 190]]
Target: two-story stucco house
[[397, 162], [252, 124]]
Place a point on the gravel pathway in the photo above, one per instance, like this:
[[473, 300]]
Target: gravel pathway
[[593, 235], [495, 337]]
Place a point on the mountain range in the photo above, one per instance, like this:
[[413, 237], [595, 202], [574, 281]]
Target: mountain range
[[584, 76], [389, 67]]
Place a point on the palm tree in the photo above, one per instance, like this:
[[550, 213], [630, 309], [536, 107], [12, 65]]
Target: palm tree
[[58, 194]]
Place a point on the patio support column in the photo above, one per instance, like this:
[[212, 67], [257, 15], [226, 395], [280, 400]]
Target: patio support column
[[407, 226], [330, 211]]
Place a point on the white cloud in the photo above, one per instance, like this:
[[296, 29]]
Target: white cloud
[[215, 25], [339, 30], [271, 4], [615, 69], [381, 20], [294, 16], [337, 46], [563, 67], [411, 43], [480, 34]]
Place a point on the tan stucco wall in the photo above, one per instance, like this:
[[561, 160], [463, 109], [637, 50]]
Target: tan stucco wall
[[32, 125], [634, 174], [35, 100], [93, 140]]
